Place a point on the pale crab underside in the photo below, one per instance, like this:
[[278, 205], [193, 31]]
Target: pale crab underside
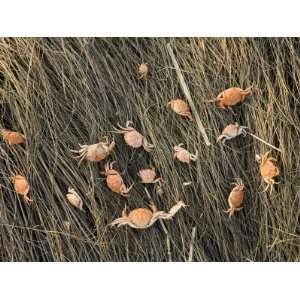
[[232, 132]]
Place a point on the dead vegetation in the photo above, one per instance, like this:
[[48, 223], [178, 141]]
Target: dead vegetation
[[63, 92]]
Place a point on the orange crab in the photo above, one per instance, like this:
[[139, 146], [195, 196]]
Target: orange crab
[[21, 186], [114, 180], [231, 97], [236, 197], [141, 218], [143, 71], [231, 131], [133, 138], [148, 176], [12, 137], [268, 169], [183, 155], [74, 199], [95, 152], [180, 107]]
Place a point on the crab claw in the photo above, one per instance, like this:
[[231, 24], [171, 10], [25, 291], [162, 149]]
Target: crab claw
[[257, 158]]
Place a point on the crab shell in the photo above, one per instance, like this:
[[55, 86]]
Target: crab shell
[[74, 198], [232, 96], [114, 182], [12, 137], [141, 217], [133, 139], [236, 196], [184, 155], [147, 175], [180, 107], [98, 152], [231, 130], [268, 170], [21, 186], [143, 71]]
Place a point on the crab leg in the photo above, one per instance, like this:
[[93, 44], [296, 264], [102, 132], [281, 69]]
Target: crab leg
[[157, 180], [147, 146], [221, 137], [122, 129], [267, 187], [82, 149], [194, 157], [247, 91], [119, 222], [173, 210], [27, 199], [153, 207]]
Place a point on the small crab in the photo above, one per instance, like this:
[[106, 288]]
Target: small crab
[[12, 137], [143, 71], [183, 155], [133, 138], [74, 199], [231, 131], [236, 196], [141, 218], [268, 169], [21, 186], [95, 152], [231, 97], [114, 180], [180, 107], [148, 176]]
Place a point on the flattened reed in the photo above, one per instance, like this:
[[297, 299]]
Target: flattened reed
[[62, 92]]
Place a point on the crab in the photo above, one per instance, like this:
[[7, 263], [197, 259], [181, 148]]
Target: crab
[[95, 152], [114, 180], [133, 138], [231, 97], [142, 218], [183, 155], [236, 196], [143, 71], [180, 107], [268, 169], [74, 199], [21, 186], [148, 176], [12, 137], [231, 131]]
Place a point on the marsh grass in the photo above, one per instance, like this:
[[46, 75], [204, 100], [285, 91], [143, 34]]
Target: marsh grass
[[62, 92]]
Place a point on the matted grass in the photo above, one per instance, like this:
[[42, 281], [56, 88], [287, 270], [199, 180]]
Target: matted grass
[[62, 92]]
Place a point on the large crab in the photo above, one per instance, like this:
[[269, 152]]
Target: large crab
[[231, 131], [141, 218], [21, 186], [133, 138], [95, 152], [114, 180], [180, 107], [12, 137], [268, 169], [231, 97], [184, 155], [236, 196]]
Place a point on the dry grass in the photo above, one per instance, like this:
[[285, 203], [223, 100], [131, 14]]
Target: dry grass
[[61, 92]]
